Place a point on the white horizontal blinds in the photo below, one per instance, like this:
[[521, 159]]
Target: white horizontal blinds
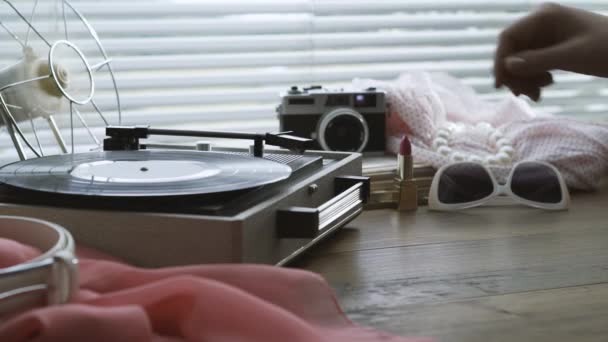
[[459, 37], [244, 52], [220, 65]]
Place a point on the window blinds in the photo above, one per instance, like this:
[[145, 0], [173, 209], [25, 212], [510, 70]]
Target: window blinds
[[221, 65]]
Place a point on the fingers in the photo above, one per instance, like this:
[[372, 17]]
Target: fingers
[[527, 33], [528, 71], [538, 61], [553, 37], [530, 91], [530, 86], [540, 80], [522, 73], [505, 48], [520, 34]]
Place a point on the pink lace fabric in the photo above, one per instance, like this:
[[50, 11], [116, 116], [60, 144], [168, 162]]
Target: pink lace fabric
[[421, 104], [213, 303]]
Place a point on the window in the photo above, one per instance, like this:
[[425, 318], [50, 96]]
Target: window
[[221, 65]]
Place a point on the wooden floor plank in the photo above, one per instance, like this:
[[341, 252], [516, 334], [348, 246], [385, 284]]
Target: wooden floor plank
[[543, 252], [389, 228], [488, 274], [565, 314], [381, 279]]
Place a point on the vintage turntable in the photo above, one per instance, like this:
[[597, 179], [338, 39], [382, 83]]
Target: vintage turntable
[[154, 207], [174, 206]]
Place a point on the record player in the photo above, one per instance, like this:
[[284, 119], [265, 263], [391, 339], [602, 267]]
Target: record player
[[162, 205], [155, 205]]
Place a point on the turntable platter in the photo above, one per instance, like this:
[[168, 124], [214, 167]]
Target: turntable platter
[[143, 173]]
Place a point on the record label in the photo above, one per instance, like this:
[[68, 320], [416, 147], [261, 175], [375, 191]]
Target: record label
[[147, 171]]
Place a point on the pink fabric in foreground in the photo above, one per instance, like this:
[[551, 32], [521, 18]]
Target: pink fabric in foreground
[[211, 303]]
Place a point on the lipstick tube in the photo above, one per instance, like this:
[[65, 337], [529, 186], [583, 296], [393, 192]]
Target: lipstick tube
[[406, 187]]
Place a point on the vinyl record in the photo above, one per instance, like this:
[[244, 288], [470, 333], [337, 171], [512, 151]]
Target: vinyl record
[[143, 173]]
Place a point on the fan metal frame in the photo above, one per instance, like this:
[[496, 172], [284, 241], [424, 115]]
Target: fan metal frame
[[8, 118]]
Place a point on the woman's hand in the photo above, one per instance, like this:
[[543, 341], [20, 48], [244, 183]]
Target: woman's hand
[[552, 37]]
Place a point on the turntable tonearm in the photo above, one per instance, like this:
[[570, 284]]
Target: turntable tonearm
[[179, 205]]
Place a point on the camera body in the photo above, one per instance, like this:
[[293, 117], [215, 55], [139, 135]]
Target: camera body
[[338, 120]]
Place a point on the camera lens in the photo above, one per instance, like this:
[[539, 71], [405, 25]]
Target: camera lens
[[343, 129], [344, 133]]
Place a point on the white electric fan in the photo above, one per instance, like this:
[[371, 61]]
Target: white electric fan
[[59, 58]]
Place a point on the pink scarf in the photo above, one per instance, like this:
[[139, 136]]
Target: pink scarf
[[211, 303]]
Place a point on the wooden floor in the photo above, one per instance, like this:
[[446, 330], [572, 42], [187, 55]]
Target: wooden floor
[[488, 274]]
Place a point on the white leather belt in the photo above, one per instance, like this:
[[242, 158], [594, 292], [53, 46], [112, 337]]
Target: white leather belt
[[51, 278]]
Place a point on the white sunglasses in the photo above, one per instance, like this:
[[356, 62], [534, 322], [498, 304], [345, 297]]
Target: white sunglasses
[[465, 185]]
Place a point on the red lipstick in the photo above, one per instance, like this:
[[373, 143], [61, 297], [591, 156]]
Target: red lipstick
[[408, 191], [405, 160]]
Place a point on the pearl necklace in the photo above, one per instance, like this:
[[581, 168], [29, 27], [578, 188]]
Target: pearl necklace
[[503, 148]]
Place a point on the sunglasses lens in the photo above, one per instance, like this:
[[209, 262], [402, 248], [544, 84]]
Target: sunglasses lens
[[536, 182], [464, 183]]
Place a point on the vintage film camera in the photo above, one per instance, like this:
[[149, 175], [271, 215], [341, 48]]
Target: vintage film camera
[[338, 120]]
